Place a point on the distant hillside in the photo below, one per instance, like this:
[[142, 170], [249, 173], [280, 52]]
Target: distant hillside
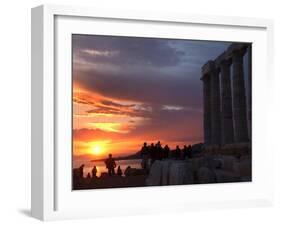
[[133, 156]]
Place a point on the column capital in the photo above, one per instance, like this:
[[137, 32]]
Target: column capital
[[207, 69], [236, 51], [222, 60]]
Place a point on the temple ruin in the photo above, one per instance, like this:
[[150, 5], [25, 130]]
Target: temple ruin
[[227, 108]]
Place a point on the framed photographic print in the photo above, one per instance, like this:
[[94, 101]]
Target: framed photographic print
[[150, 112]]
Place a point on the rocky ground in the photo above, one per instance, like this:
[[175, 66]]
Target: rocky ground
[[110, 182], [200, 170]]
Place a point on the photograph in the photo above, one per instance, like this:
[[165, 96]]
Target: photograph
[[149, 111]]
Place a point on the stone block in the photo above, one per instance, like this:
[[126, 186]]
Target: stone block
[[223, 176], [155, 174], [166, 171], [205, 175], [181, 173]]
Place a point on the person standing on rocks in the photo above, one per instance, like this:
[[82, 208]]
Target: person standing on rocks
[[159, 151], [177, 152], [152, 153], [185, 152], [119, 171], [145, 156], [110, 165], [166, 151], [94, 172]]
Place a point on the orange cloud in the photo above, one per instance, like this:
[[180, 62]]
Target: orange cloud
[[120, 126]]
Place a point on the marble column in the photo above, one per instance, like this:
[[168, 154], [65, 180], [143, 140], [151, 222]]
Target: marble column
[[207, 107], [227, 133], [249, 49], [215, 107], [237, 52], [209, 68]]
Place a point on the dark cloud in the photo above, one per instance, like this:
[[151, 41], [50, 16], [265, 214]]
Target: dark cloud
[[112, 103], [170, 125], [82, 100], [114, 111], [149, 70], [151, 89], [105, 106], [126, 50]]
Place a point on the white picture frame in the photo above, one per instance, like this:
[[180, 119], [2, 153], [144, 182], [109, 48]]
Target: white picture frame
[[52, 198]]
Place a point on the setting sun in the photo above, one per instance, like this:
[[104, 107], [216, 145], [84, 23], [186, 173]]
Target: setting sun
[[96, 150]]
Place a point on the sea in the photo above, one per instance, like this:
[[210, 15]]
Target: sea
[[134, 163]]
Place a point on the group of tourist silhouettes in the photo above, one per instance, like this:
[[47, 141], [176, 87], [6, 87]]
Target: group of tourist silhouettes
[[110, 165], [151, 153]]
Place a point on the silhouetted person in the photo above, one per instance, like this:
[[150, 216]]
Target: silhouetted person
[[158, 149], [174, 154], [145, 156], [185, 152], [81, 171], [119, 171], [177, 152], [78, 174], [166, 151], [88, 176], [152, 153], [127, 171], [110, 165], [94, 172]]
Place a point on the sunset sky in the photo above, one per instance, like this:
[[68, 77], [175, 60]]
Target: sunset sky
[[129, 90]]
